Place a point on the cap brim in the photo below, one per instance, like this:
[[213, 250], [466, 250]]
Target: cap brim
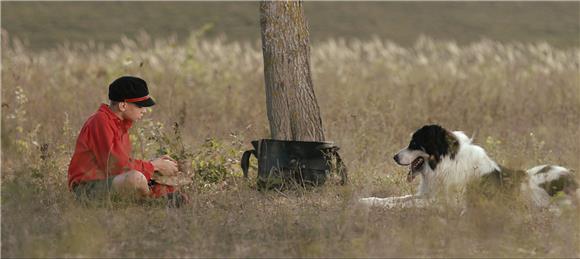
[[145, 103]]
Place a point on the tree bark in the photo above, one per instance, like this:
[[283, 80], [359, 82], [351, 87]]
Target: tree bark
[[293, 111]]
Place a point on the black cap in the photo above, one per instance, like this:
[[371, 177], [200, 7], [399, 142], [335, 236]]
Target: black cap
[[132, 90]]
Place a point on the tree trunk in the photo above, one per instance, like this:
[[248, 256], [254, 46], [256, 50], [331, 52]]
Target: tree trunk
[[293, 111]]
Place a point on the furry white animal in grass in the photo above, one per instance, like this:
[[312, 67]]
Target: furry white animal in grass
[[448, 161]]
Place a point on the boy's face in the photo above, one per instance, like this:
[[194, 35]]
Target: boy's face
[[132, 111]]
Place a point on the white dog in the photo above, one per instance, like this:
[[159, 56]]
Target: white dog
[[447, 161]]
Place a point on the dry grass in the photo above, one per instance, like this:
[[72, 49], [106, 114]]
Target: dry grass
[[521, 101]]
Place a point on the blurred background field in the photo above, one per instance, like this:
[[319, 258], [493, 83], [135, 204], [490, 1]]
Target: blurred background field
[[48, 24], [511, 82]]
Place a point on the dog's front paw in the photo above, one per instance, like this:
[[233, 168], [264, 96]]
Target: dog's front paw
[[382, 202], [367, 201]]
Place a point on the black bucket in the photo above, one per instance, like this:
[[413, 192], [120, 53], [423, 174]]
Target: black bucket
[[283, 162]]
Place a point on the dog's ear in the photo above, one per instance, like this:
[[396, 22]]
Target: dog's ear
[[436, 144], [438, 136], [436, 141]]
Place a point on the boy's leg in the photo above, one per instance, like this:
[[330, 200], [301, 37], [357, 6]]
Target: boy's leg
[[131, 182], [93, 190]]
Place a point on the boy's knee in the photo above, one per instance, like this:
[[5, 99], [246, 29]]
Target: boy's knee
[[136, 178], [131, 181]]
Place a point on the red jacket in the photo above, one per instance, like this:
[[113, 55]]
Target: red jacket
[[103, 149]]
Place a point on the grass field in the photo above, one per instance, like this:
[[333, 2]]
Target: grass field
[[521, 101], [48, 24]]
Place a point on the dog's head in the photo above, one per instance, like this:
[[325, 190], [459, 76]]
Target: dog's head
[[428, 146]]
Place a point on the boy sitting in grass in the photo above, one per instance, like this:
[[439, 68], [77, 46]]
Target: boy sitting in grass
[[102, 162]]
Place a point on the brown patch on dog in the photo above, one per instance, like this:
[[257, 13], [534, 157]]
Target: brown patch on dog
[[565, 183], [453, 144]]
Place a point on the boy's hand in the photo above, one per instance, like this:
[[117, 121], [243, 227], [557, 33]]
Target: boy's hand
[[165, 166]]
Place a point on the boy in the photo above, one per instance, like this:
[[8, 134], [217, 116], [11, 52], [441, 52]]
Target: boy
[[102, 160]]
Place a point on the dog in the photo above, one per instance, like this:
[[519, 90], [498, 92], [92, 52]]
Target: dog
[[447, 161]]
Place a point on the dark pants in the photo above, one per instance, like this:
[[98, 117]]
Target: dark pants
[[93, 190], [101, 190]]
